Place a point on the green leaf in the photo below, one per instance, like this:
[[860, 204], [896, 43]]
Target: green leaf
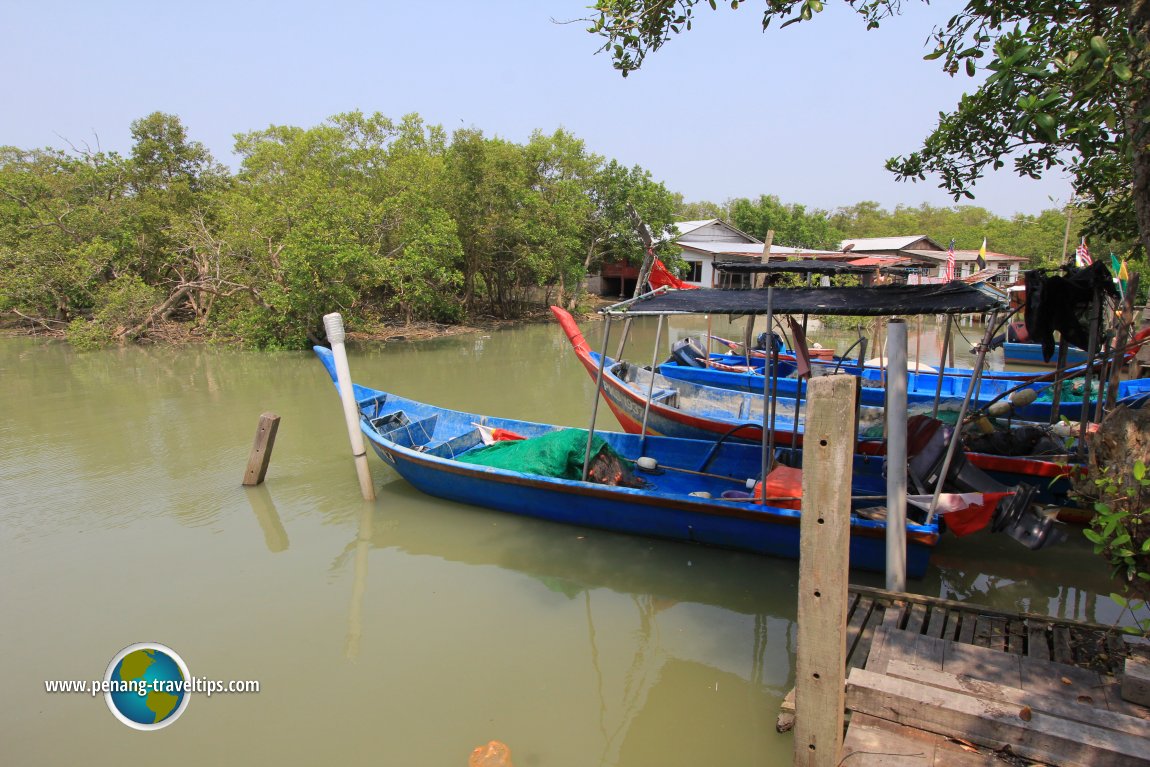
[[1139, 470], [1118, 599], [1099, 47], [1092, 536], [970, 68], [1122, 71], [934, 54]]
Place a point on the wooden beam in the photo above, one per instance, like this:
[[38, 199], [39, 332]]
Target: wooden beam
[[874, 742], [1067, 705], [1136, 681], [824, 561], [1030, 733], [765, 278], [261, 454]]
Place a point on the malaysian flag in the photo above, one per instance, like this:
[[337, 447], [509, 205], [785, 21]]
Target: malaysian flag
[[1082, 255], [950, 261]]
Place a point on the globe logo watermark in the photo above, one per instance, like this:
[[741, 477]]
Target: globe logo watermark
[[147, 686]]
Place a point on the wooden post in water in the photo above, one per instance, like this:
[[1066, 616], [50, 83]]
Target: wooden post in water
[[333, 323], [261, 454], [765, 278], [824, 561]]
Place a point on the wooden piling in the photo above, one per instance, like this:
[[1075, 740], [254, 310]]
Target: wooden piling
[[261, 454], [824, 556]]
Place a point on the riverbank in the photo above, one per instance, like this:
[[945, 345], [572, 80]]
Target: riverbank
[[180, 333]]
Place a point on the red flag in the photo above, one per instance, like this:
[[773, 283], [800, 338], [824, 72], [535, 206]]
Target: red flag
[[950, 261]]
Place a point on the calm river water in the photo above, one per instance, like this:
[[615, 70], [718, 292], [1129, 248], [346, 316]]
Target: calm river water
[[403, 632]]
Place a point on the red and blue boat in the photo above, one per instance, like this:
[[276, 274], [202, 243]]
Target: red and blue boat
[[682, 409]]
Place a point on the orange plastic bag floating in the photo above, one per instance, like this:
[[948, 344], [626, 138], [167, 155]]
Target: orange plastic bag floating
[[783, 482], [494, 754]]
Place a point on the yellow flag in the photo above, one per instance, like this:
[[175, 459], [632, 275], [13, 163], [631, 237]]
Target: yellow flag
[[981, 260]]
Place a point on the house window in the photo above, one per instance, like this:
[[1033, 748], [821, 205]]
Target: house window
[[693, 271]]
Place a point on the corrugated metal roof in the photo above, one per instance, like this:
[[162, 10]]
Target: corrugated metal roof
[[981, 276], [751, 249], [951, 298], [964, 255], [884, 243], [880, 261], [683, 227]]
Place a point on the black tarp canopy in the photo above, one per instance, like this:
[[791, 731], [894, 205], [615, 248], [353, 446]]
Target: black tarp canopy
[[948, 298], [805, 266]]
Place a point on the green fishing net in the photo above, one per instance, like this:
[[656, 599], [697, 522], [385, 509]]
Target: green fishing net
[[1072, 390], [555, 454]]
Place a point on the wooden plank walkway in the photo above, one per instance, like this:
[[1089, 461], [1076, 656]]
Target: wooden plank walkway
[[945, 690], [1074, 643], [1043, 655]]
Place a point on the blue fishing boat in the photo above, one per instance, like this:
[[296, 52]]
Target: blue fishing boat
[[671, 407], [1019, 353], [685, 490], [732, 372]]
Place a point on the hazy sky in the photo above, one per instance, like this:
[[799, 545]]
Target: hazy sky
[[808, 113]]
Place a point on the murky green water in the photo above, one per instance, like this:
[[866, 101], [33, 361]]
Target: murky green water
[[408, 631]]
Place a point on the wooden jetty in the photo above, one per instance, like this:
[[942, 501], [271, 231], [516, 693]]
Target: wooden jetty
[[936, 682]]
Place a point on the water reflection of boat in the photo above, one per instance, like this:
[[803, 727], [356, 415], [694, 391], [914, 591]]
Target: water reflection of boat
[[692, 493], [651, 624]]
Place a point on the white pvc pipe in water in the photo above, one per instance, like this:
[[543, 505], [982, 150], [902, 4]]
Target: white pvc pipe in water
[[333, 323], [896, 455]]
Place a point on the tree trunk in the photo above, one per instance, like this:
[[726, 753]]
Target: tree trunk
[[649, 244], [1139, 127], [132, 333]]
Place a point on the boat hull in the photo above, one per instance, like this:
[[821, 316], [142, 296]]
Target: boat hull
[[739, 526], [1031, 354], [423, 442]]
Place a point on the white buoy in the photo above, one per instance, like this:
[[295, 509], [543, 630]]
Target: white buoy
[[1023, 397], [333, 323], [646, 463]]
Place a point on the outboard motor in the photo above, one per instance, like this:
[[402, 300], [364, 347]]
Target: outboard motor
[[688, 354], [761, 342], [927, 440]]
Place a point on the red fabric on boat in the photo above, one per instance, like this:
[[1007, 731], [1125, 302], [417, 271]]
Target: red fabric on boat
[[964, 513], [785, 483]]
